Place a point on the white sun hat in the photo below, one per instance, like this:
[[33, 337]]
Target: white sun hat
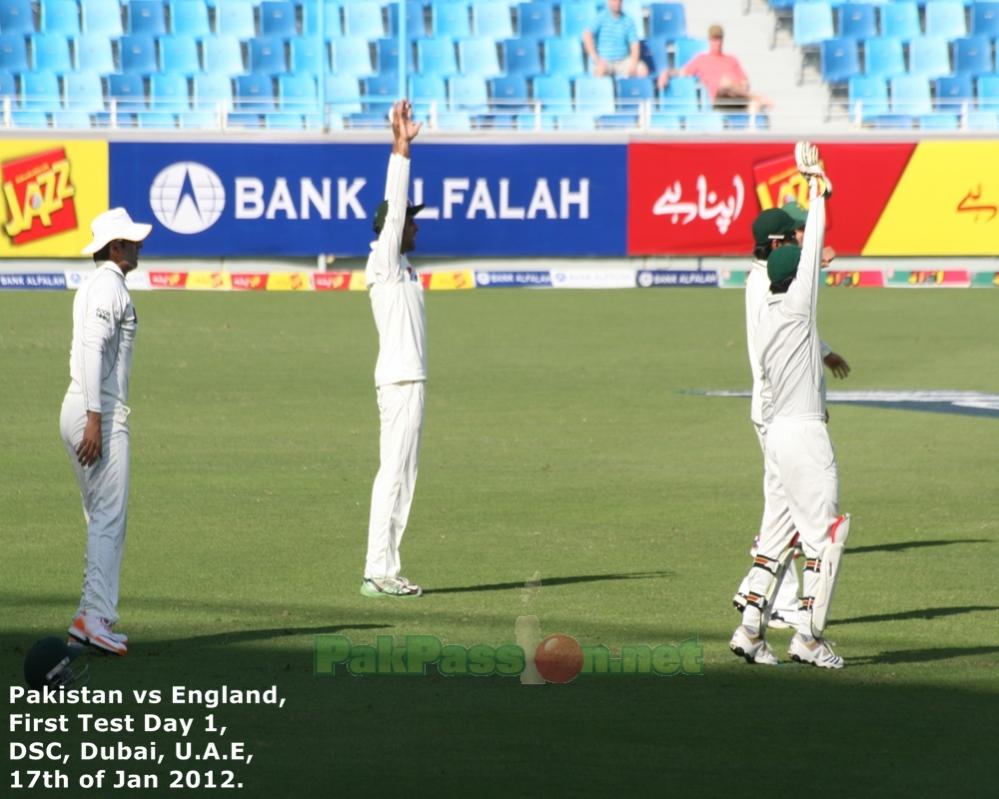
[[113, 225]]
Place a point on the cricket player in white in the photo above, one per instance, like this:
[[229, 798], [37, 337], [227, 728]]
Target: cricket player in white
[[401, 371], [773, 228], [94, 419], [797, 447]]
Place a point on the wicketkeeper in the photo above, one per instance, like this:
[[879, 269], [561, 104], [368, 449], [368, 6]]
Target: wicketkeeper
[[401, 371], [798, 451]]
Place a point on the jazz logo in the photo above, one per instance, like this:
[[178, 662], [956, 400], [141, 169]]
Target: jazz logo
[[38, 194]]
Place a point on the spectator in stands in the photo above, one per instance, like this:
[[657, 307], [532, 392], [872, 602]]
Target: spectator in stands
[[612, 44], [722, 75]]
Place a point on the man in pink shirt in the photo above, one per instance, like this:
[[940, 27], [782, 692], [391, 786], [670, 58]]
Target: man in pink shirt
[[722, 75]]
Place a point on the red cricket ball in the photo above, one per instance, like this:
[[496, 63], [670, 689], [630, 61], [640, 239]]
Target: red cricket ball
[[559, 658]]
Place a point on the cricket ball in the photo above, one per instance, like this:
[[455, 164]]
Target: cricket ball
[[559, 658]]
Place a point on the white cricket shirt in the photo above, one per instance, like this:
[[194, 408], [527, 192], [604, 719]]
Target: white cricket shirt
[[793, 382], [104, 327], [395, 290]]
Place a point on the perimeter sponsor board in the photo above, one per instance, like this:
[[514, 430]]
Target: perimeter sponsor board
[[33, 281], [985, 279], [929, 278], [331, 281], [212, 199], [50, 190], [656, 278], [851, 279], [249, 281], [168, 280], [593, 278], [529, 279]]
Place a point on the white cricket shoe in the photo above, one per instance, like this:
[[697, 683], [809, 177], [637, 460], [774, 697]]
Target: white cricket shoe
[[783, 619], [815, 651], [96, 632], [753, 648]]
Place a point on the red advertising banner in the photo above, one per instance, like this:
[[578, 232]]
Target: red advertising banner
[[701, 199]]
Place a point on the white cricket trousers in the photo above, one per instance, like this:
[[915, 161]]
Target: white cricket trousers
[[400, 408], [104, 490]]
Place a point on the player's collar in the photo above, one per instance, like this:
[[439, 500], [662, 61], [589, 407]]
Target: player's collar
[[111, 266]]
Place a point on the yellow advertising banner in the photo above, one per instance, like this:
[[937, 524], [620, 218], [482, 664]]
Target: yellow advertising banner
[[945, 203], [357, 281], [449, 281], [50, 190], [289, 281], [208, 281]]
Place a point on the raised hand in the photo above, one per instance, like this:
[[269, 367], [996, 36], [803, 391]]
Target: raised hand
[[403, 126], [806, 158]]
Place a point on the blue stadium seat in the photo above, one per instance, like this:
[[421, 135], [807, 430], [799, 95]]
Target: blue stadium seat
[[387, 56], [468, 93], [146, 16], [13, 52], [839, 61], [223, 54], [8, 87], [535, 19], [478, 57], [102, 16], [661, 120], [813, 22], [254, 94], [17, 16], [953, 92], [910, 94], [189, 17], [169, 92], [686, 49], [858, 20], [492, 18], [415, 25], [363, 19], [577, 16], [945, 18], [343, 94], [900, 20], [666, 19], [267, 56], [234, 18], [94, 54], [594, 95], [436, 56], [985, 19], [211, 90], [128, 91], [983, 120], [39, 91], [929, 56], [309, 55], [277, 18], [655, 53], [520, 57], [199, 120], [973, 56], [138, 54], [331, 18], [352, 56], [632, 93], [939, 121], [564, 57], [554, 92], [60, 16], [83, 91], [988, 92], [425, 90], [30, 119], [707, 122], [380, 91], [536, 120], [577, 121], [297, 92], [50, 51], [454, 120], [449, 18], [69, 120], [179, 53], [156, 120], [883, 57], [682, 96], [868, 95], [510, 93]]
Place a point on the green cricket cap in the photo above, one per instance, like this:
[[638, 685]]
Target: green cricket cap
[[783, 263], [796, 212], [772, 224], [382, 212]]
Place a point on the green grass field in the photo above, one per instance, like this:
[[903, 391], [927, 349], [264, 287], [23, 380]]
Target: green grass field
[[559, 440]]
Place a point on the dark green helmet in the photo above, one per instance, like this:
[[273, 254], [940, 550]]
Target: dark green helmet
[[52, 663]]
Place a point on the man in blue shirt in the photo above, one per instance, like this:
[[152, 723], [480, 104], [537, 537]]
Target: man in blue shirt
[[612, 44]]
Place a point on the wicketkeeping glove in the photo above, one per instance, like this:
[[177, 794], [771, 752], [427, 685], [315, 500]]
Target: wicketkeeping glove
[[806, 158]]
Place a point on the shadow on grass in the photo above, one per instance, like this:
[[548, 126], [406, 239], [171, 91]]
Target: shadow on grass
[[902, 546], [548, 582], [925, 613], [245, 636], [923, 655]]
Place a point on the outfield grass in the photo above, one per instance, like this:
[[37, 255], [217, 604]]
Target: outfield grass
[[559, 440]]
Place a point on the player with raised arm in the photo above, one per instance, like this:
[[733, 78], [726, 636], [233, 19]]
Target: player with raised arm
[[798, 451], [401, 370]]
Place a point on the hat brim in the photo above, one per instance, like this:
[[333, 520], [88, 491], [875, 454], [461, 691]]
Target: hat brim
[[136, 231], [413, 210]]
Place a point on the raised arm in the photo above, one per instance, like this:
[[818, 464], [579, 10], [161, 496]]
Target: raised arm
[[803, 293]]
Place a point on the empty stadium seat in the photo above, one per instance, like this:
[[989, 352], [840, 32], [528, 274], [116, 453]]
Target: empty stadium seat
[[8, 87], [813, 22], [234, 18], [563, 57], [492, 18], [985, 19], [945, 18], [973, 55], [983, 120], [93, 53], [17, 16], [69, 119], [223, 55], [363, 19], [554, 92], [883, 57], [594, 95], [415, 26], [939, 121], [953, 92], [838, 60], [910, 94], [632, 93], [277, 18], [138, 54], [146, 16], [211, 90], [128, 91], [900, 20], [426, 90], [682, 96], [267, 56], [535, 19], [309, 55], [380, 91], [449, 18], [13, 52], [686, 49], [666, 19], [297, 92], [39, 90], [707, 122], [509, 93], [436, 56], [343, 94], [331, 18], [468, 93], [50, 51], [577, 16], [156, 119], [29, 119], [655, 53], [60, 16], [387, 56], [83, 92], [179, 54], [520, 57], [189, 17], [254, 94], [988, 92], [169, 92], [929, 56], [867, 96], [352, 56], [478, 56], [858, 20]]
